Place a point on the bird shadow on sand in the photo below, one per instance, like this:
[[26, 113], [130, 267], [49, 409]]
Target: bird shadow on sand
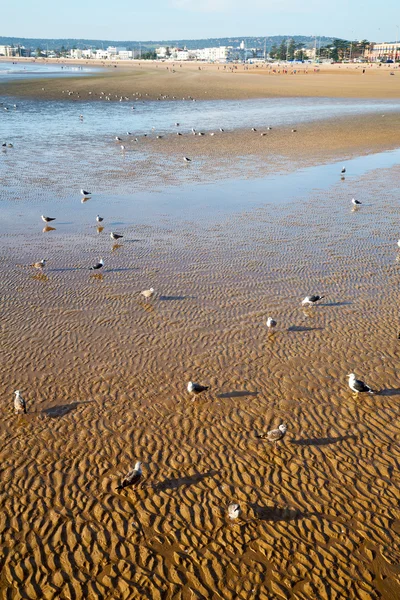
[[388, 392], [63, 409], [275, 514], [335, 303], [237, 394], [323, 441], [172, 298], [121, 269], [173, 484], [62, 270], [303, 328]]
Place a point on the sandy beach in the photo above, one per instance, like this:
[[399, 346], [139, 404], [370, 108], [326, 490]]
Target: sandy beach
[[206, 81], [245, 231]]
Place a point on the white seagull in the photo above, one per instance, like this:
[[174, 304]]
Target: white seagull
[[356, 202], [115, 236], [186, 159], [148, 293], [271, 323], [133, 477], [343, 171], [274, 435], [196, 388], [48, 219], [357, 386], [19, 403], [85, 193], [98, 265], [40, 264], [311, 299], [99, 219], [234, 511]]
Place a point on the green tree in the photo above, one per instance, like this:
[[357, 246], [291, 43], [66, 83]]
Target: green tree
[[273, 52], [291, 49], [281, 54]]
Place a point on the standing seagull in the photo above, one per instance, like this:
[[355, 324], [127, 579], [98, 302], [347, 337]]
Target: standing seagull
[[98, 265], [343, 171], [234, 511], [271, 323], [357, 386], [274, 435], [115, 236], [133, 477], [186, 159], [99, 219], [148, 293], [40, 264], [196, 388], [311, 299], [19, 403], [48, 219], [356, 202], [85, 193]]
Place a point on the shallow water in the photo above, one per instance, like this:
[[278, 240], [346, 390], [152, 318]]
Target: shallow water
[[25, 70]]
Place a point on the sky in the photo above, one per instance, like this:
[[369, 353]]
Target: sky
[[191, 19]]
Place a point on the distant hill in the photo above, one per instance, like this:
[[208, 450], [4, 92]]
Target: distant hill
[[251, 42]]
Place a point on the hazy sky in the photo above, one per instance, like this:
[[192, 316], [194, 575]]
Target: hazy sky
[[184, 19]]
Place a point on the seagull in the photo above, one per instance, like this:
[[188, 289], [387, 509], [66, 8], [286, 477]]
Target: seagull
[[19, 403], [398, 243], [133, 477], [128, 133], [222, 131], [271, 323], [253, 129], [122, 147], [358, 386], [99, 219], [177, 124], [196, 388], [148, 293], [85, 193], [234, 511], [40, 264], [274, 435], [343, 171], [312, 299], [294, 130], [356, 202], [10, 145], [98, 265], [178, 133], [115, 236], [118, 139], [186, 159], [48, 219]]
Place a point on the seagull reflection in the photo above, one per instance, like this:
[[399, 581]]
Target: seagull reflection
[[40, 277], [115, 247], [98, 276], [99, 229], [48, 228]]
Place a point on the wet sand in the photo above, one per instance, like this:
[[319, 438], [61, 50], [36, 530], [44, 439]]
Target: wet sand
[[154, 80], [104, 375], [104, 372]]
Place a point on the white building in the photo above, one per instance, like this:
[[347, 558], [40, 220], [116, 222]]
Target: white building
[[219, 54], [161, 52], [125, 54], [76, 53]]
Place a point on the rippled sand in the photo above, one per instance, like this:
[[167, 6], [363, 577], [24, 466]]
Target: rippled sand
[[104, 375]]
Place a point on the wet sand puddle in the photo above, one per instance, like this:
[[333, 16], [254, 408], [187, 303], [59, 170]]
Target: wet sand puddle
[[104, 373]]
